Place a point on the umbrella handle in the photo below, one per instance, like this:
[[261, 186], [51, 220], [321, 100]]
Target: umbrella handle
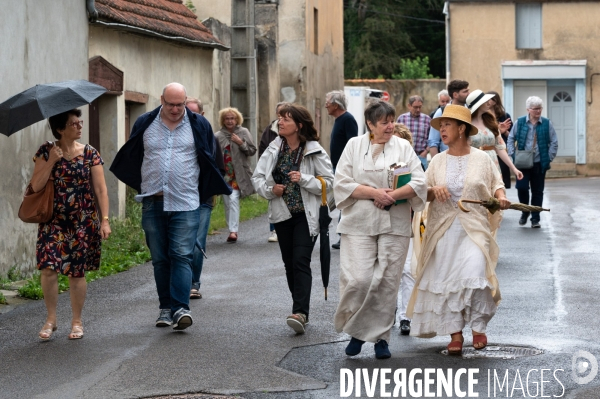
[[472, 201], [323, 191]]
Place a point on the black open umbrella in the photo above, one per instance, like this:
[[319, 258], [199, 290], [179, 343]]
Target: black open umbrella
[[324, 220], [43, 101]]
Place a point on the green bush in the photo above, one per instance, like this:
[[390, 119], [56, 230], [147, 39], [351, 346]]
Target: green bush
[[414, 69], [127, 248]]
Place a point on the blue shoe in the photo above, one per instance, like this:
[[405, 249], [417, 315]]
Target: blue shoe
[[354, 347], [182, 319], [164, 318], [381, 350]]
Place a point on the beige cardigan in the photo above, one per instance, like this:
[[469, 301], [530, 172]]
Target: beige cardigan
[[481, 182], [240, 157]]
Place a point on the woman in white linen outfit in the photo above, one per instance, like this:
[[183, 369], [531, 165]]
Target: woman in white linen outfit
[[374, 242], [456, 282]]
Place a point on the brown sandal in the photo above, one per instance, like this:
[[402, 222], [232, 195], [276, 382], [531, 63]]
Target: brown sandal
[[46, 332], [232, 238], [479, 339], [455, 345], [76, 331]]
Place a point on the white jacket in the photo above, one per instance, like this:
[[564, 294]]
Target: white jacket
[[315, 162]]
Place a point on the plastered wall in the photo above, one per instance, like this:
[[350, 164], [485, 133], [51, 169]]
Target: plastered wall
[[38, 45]]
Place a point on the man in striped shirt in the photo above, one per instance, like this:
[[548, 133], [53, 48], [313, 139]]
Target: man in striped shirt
[[418, 124], [169, 159]]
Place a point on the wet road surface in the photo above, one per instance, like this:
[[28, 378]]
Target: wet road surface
[[239, 343]]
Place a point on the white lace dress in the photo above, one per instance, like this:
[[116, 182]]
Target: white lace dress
[[453, 290]]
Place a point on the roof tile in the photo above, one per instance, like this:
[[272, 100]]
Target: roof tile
[[167, 17]]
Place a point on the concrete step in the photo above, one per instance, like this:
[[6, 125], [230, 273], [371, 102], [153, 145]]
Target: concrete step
[[562, 169]]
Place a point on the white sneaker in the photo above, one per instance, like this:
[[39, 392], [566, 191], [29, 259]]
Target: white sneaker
[[273, 237]]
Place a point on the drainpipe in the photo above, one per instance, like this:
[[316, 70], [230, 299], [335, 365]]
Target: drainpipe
[[91, 10], [446, 12]]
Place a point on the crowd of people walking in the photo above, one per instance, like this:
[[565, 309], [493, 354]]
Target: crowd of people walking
[[419, 258]]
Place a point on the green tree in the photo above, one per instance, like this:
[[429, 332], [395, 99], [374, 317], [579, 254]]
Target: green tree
[[378, 34], [414, 69]]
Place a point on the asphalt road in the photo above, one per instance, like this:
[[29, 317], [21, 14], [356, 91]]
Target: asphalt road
[[239, 343]]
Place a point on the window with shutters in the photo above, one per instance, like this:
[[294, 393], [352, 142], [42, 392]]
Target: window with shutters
[[529, 25]]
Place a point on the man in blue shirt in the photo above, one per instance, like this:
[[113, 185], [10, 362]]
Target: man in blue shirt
[[532, 131], [169, 160], [458, 90]]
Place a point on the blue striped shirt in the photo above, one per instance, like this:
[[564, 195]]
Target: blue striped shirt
[[171, 165]]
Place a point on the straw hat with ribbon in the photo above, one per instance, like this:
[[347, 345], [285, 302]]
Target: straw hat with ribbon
[[458, 113], [476, 98]]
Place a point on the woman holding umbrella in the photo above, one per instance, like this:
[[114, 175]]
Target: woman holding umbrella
[[456, 282], [70, 242], [286, 175], [375, 232]]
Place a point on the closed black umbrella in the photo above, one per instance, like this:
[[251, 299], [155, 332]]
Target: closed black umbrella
[[324, 220], [43, 101]]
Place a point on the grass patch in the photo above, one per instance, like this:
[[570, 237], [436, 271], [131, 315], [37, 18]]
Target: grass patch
[[250, 207], [126, 246], [2, 299]]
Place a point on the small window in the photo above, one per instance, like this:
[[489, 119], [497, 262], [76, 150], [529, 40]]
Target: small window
[[529, 25], [562, 96]]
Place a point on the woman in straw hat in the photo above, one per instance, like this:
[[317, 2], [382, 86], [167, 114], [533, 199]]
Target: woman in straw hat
[[456, 282], [488, 138]]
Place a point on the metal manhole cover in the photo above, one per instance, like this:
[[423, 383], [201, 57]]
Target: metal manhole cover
[[498, 352]]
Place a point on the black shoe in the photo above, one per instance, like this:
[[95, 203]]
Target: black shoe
[[535, 224], [381, 350], [404, 327], [336, 245], [164, 318], [354, 347], [523, 220], [182, 319]]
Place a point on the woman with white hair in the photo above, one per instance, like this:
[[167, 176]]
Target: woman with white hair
[[533, 132], [236, 143]]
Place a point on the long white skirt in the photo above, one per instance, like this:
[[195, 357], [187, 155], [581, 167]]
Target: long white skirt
[[453, 291], [370, 272]]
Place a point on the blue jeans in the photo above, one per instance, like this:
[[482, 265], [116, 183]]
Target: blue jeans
[[170, 237], [205, 211]]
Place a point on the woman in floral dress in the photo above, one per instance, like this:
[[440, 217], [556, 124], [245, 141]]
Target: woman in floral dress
[[70, 242]]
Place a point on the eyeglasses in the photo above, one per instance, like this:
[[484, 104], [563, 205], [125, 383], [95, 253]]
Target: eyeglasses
[[171, 105], [537, 109], [75, 124]]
